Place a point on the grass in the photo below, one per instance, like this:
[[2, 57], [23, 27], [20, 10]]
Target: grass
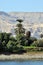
[[29, 47], [33, 49]]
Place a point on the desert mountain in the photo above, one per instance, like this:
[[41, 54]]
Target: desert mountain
[[32, 22]]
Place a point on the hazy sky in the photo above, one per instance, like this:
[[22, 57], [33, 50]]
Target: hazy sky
[[21, 5]]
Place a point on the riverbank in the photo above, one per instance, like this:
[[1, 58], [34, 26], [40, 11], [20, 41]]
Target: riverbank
[[24, 56]]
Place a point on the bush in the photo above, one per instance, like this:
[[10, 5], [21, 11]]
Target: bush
[[33, 39], [1, 37], [1, 46], [38, 43], [7, 37], [30, 40], [21, 39], [34, 43], [4, 43], [19, 48], [12, 38], [11, 45]]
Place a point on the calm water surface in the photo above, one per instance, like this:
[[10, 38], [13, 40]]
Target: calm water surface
[[21, 63]]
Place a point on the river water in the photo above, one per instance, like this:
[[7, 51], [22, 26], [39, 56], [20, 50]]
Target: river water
[[21, 62]]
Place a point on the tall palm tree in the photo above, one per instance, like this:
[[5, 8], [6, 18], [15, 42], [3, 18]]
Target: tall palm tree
[[20, 28], [19, 20]]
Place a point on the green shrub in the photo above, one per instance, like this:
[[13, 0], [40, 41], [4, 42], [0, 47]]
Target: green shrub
[[38, 43], [1, 37], [12, 38], [33, 39], [1, 47], [11, 45], [7, 37], [4, 43], [30, 40], [34, 43]]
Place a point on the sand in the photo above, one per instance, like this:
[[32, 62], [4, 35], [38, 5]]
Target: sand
[[25, 56]]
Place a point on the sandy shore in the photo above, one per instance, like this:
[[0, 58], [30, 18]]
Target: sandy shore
[[25, 56]]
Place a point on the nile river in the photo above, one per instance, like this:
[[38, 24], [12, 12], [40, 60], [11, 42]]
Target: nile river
[[21, 63]]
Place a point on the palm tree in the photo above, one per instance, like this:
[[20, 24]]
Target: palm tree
[[19, 20], [20, 28], [41, 35], [28, 34]]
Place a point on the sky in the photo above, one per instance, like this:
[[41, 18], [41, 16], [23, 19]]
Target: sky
[[21, 5]]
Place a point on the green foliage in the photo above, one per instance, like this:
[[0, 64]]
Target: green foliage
[[24, 41], [20, 39], [19, 29], [33, 39], [4, 46], [33, 48], [4, 38], [29, 41], [1, 37], [11, 45], [19, 36], [20, 48], [4, 43], [12, 38], [38, 43], [19, 25], [1, 46], [16, 44], [7, 37], [35, 43]]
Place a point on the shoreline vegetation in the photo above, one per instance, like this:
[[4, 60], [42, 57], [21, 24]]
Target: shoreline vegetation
[[22, 46]]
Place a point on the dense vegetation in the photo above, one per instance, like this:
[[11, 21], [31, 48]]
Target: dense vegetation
[[20, 42]]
